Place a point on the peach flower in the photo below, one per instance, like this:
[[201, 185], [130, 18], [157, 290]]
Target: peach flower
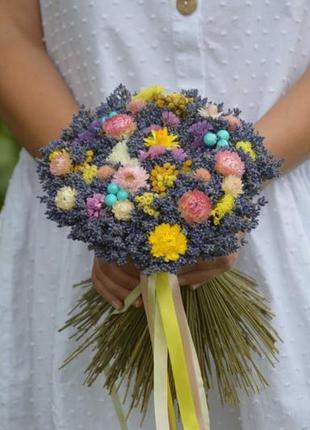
[[194, 206], [105, 172], [229, 163], [119, 126]]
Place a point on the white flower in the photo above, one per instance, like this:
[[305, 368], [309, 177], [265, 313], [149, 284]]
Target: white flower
[[65, 198], [210, 110], [121, 155], [122, 210], [232, 185]]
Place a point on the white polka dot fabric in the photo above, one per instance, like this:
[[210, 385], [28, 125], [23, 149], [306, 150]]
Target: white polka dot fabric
[[245, 53]]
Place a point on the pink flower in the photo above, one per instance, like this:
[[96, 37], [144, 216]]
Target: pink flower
[[170, 119], [179, 154], [147, 130], [94, 205], [119, 126], [136, 105], [131, 178], [143, 155], [229, 163], [194, 206], [202, 174], [233, 122], [156, 151], [61, 164], [104, 172]]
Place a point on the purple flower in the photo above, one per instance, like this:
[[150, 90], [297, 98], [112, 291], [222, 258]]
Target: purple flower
[[148, 130], [156, 151], [179, 154], [143, 155], [94, 205], [198, 130], [170, 119]]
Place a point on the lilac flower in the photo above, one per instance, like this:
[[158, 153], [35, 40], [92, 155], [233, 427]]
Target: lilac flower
[[198, 130], [170, 119], [179, 154], [156, 151], [94, 205]]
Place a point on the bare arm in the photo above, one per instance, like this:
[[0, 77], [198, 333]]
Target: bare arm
[[34, 99], [286, 125]]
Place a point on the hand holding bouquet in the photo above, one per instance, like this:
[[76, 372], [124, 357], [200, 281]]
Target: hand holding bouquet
[[165, 180]]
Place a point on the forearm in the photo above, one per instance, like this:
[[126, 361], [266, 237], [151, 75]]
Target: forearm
[[286, 126], [34, 99]]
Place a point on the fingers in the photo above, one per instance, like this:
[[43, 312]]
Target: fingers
[[113, 284], [197, 278]]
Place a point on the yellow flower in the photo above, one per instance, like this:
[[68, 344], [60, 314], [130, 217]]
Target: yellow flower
[[148, 93], [224, 206], [246, 147], [186, 168], [232, 185], [89, 172], [89, 155], [174, 102], [163, 177], [167, 241], [145, 201], [65, 198], [163, 138]]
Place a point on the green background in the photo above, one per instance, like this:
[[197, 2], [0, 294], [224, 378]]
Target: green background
[[9, 150]]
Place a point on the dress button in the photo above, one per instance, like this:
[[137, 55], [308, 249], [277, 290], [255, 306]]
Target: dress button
[[186, 7]]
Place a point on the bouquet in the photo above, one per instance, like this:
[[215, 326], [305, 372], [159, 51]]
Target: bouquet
[[165, 180]]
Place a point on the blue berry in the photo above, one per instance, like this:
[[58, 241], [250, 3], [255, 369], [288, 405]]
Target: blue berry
[[113, 188], [223, 134], [222, 143], [210, 138], [110, 199], [122, 195]]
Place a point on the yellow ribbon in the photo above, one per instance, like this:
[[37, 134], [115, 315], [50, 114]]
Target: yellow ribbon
[[176, 353]]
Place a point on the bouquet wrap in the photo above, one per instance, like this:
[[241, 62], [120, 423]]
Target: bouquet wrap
[[164, 181]]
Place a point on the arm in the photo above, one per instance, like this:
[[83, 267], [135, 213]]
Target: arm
[[286, 125], [34, 99]]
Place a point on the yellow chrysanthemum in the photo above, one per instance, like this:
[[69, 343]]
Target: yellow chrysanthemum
[[89, 155], [145, 201], [148, 93], [246, 146], [224, 206], [120, 154], [168, 241], [163, 138], [163, 177], [89, 172]]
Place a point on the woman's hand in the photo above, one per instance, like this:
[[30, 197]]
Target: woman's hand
[[115, 282], [197, 274]]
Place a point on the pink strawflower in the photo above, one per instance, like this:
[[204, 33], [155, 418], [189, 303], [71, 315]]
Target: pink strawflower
[[229, 163], [179, 154], [131, 178], [136, 105], [104, 172], [156, 150], [94, 205], [147, 130], [202, 174], [170, 119], [194, 206], [119, 126], [233, 122], [61, 164]]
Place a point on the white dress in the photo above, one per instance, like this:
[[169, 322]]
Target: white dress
[[245, 53]]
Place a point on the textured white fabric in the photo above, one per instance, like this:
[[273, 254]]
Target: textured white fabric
[[245, 53]]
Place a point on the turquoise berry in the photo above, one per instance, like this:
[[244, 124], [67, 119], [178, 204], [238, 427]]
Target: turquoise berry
[[113, 188], [110, 199], [222, 143], [113, 113], [122, 195], [210, 138], [223, 134], [103, 119]]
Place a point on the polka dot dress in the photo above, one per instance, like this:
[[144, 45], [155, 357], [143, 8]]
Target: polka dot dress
[[245, 53]]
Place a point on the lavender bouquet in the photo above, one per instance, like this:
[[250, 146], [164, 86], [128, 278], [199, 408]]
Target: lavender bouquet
[[165, 180]]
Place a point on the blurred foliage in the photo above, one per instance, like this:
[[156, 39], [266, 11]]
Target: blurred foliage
[[9, 150]]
